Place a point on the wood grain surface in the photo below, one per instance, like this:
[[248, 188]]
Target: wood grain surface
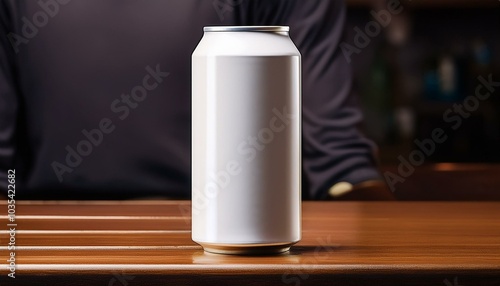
[[344, 243]]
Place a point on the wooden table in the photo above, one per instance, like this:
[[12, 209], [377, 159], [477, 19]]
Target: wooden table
[[344, 243]]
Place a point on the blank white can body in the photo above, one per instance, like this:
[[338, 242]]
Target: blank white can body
[[246, 140]]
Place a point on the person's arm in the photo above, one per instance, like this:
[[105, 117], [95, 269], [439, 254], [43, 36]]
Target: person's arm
[[8, 100], [334, 150]]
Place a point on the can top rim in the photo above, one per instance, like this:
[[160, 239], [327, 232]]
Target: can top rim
[[246, 29]]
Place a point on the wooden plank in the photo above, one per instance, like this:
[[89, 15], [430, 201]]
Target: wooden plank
[[414, 240]]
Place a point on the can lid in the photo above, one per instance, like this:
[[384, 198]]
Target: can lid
[[246, 29]]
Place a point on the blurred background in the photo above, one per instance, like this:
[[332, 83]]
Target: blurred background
[[424, 62]]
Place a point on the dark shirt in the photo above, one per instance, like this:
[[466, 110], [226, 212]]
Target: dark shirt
[[68, 67]]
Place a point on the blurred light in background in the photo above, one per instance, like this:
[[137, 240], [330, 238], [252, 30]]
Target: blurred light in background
[[424, 62]]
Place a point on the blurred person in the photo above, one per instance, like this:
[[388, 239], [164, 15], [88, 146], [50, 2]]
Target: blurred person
[[72, 130]]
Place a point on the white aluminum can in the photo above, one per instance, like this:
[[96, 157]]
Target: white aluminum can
[[246, 140]]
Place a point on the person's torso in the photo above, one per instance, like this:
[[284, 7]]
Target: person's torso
[[93, 68]]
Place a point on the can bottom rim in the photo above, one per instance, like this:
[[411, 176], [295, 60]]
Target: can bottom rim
[[247, 249]]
